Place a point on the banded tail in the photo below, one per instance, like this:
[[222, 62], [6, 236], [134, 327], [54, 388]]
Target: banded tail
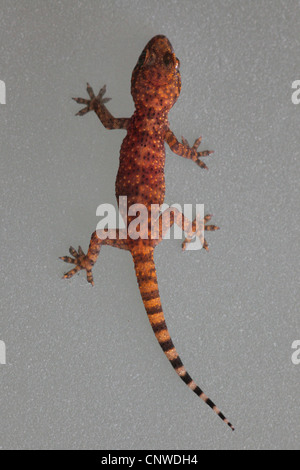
[[147, 280]]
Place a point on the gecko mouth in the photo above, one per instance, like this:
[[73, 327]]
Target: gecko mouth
[[159, 82]]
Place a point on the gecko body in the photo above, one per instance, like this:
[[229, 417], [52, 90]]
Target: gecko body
[[155, 87]]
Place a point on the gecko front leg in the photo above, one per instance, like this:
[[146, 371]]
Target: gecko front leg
[[184, 150], [97, 104]]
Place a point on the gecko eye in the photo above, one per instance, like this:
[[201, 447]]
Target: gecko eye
[[168, 59], [146, 58], [142, 59]]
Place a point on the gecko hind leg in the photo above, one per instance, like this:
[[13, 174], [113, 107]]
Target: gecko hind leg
[[195, 228], [81, 261], [199, 231]]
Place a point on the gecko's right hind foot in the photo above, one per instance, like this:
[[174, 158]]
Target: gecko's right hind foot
[[81, 261], [93, 102], [198, 227]]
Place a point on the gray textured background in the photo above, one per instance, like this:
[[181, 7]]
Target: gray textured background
[[83, 367]]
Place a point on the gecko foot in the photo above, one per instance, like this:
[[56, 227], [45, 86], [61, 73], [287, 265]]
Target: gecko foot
[[81, 261], [197, 155], [94, 101], [198, 227]]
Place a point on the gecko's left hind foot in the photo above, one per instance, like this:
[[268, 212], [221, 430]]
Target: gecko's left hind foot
[[198, 228], [81, 261]]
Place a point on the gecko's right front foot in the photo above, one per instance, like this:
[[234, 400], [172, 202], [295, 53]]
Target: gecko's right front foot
[[81, 261], [196, 155], [94, 101]]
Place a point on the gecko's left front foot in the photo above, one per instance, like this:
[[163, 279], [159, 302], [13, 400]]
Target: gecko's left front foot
[[196, 155], [198, 227], [93, 102], [81, 261]]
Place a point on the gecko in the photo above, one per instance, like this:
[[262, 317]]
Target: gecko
[[155, 87]]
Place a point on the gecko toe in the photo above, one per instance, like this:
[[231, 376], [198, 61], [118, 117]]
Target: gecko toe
[[202, 164], [81, 100], [90, 91], [197, 143], [83, 111]]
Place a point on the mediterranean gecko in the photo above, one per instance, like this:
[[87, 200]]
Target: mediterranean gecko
[[155, 87]]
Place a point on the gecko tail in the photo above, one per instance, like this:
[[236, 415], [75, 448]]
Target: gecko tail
[[147, 280]]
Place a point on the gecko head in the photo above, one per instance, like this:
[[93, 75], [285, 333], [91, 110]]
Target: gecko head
[[156, 78]]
